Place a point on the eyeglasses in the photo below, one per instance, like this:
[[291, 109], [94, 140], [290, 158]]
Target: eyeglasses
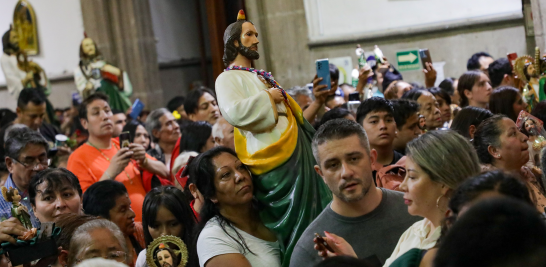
[[118, 256], [33, 165]]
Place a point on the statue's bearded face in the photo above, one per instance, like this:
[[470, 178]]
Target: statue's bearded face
[[88, 47], [249, 41]]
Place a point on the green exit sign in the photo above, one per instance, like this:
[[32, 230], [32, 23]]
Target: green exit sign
[[408, 60]]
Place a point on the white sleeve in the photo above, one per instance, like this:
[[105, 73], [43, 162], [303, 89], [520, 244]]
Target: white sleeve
[[127, 85], [213, 242], [254, 113], [13, 76], [79, 79], [141, 260]]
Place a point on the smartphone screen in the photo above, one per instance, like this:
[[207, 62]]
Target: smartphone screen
[[323, 71], [124, 139], [424, 54]]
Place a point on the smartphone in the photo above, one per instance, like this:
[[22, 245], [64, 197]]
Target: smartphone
[[512, 59], [424, 54], [323, 242], [137, 108], [124, 139], [354, 102], [323, 71]]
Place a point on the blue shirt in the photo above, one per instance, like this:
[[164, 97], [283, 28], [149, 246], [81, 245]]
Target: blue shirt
[[5, 207]]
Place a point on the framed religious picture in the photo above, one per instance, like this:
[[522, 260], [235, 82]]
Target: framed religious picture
[[24, 23], [167, 251]]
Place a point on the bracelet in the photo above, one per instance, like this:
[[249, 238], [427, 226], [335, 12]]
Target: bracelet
[[108, 175]]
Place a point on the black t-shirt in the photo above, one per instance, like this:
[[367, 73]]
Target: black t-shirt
[[396, 157]]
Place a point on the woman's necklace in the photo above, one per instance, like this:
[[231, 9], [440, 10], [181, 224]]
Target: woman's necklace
[[108, 159]]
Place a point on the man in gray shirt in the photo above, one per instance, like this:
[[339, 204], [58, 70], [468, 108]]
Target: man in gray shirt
[[371, 219]]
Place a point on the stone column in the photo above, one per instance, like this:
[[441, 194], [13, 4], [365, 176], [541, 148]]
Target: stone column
[[539, 21], [122, 30]]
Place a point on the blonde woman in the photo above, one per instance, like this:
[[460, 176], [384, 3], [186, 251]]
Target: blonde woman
[[437, 162]]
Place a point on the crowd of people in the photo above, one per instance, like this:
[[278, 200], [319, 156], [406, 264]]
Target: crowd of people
[[420, 175]]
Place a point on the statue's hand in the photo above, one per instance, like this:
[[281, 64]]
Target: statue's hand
[[276, 94]]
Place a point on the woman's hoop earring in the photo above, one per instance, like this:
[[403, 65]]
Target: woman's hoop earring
[[438, 201]]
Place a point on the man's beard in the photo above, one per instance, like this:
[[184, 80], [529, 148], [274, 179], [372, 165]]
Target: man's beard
[[338, 192], [248, 53]]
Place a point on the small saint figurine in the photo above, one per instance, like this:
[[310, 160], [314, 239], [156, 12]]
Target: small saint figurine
[[167, 251], [94, 74], [533, 128], [19, 211], [534, 136], [165, 257]]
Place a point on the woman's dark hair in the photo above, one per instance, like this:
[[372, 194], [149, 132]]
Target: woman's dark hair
[[204, 168], [488, 134], [494, 181], [413, 94], [498, 232], [191, 104], [195, 136], [540, 111], [468, 116], [131, 127], [437, 92], [502, 100], [175, 201], [55, 179], [497, 181], [447, 85], [101, 197], [466, 82]]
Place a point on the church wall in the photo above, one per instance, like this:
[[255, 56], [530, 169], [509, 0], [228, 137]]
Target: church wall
[[175, 29], [284, 46]]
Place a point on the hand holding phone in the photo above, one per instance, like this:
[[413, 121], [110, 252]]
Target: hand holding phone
[[323, 71], [424, 54], [322, 242]]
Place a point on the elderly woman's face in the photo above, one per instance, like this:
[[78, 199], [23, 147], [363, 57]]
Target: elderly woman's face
[[51, 202], [103, 244]]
